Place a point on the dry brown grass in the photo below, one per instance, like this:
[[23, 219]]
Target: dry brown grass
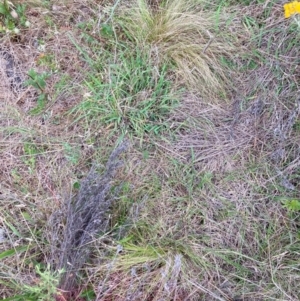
[[202, 219], [260, 121], [34, 184], [231, 238], [243, 156]]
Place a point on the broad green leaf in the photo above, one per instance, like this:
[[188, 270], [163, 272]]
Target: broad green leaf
[[3, 9], [12, 252], [13, 229]]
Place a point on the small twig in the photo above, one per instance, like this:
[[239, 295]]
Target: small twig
[[211, 38]]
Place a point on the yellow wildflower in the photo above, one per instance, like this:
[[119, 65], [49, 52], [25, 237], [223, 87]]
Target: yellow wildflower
[[291, 8]]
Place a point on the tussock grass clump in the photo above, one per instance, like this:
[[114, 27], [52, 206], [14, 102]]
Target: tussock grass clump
[[182, 33]]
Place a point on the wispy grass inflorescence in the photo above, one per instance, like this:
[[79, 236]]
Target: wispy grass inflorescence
[[87, 216]]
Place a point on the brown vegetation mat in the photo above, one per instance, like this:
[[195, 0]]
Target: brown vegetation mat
[[205, 220]]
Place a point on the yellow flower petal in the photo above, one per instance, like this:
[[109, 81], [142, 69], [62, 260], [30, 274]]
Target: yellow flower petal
[[291, 8]]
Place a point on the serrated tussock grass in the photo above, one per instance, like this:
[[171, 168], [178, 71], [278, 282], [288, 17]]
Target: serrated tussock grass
[[183, 34]]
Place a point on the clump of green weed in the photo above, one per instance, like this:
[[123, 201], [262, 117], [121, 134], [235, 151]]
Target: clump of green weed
[[291, 204], [38, 81], [12, 16], [44, 289]]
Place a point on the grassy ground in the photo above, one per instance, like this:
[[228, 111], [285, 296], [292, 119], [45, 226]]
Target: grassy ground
[[201, 202]]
